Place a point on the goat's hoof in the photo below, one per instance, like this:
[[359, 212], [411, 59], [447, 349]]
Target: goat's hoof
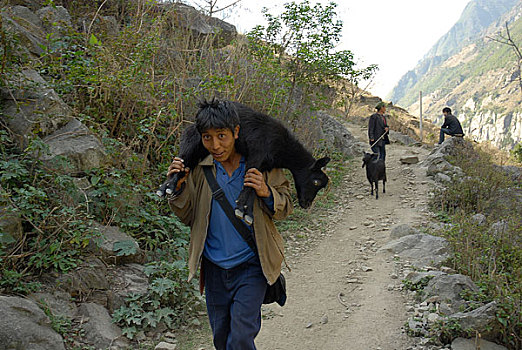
[[238, 213], [248, 219]]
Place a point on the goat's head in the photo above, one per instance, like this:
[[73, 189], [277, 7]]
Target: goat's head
[[368, 157], [309, 181]]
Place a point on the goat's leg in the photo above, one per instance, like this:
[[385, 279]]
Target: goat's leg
[[383, 186], [169, 186], [191, 151], [245, 205], [245, 200], [371, 188], [377, 189]]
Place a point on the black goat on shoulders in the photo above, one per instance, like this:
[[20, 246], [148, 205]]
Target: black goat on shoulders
[[266, 144], [375, 171]]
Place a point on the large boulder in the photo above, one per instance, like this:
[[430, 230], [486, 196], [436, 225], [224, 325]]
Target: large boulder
[[115, 246], [31, 107], [337, 136], [55, 19], [24, 326], [25, 25], [397, 137], [420, 249], [204, 26], [77, 144], [58, 302], [402, 230], [100, 331], [448, 289], [441, 165], [126, 280], [91, 276], [10, 221], [482, 320]]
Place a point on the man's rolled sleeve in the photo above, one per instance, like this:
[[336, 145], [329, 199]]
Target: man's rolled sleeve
[[280, 188], [181, 202]]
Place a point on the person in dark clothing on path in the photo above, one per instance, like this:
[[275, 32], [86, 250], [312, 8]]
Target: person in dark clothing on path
[[378, 126], [451, 125], [235, 278]]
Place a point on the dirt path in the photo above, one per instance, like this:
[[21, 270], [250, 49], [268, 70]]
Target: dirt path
[[342, 293]]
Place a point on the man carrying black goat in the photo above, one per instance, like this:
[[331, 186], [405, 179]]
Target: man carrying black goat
[[234, 275]]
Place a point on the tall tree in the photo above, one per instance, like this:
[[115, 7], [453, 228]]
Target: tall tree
[[304, 38]]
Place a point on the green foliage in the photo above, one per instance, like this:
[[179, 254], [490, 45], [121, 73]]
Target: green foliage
[[169, 299], [419, 286], [17, 282], [517, 152], [125, 248], [301, 40], [60, 324], [450, 329], [54, 231]]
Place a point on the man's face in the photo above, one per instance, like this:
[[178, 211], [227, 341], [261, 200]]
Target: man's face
[[382, 110], [220, 142]]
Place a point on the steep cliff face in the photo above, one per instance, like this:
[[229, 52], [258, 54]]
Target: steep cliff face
[[477, 78]]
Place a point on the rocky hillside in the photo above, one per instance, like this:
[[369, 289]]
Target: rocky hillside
[[473, 74]]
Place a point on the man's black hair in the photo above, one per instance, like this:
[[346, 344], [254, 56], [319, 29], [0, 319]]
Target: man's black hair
[[216, 114], [446, 110]]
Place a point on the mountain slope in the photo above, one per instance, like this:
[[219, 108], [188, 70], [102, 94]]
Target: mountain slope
[[477, 16], [479, 81]]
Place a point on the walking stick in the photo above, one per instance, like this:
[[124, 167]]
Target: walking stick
[[379, 139]]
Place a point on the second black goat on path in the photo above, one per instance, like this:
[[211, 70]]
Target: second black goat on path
[[375, 171], [266, 144]]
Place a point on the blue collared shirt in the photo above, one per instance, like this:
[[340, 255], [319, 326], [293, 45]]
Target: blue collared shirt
[[224, 245]]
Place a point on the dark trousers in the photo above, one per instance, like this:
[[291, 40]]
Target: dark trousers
[[442, 132], [234, 297], [380, 150]]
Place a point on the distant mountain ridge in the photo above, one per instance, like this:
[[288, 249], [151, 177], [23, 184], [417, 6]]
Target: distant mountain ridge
[[474, 75], [476, 17]]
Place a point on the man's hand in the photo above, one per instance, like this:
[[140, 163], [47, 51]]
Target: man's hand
[[176, 166], [254, 178]]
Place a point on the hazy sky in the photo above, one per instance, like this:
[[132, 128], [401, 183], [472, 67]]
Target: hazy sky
[[395, 34]]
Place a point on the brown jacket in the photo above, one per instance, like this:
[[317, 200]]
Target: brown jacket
[[193, 204]]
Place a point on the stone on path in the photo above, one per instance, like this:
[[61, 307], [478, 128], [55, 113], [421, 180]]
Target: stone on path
[[165, 346], [409, 159], [472, 344], [421, 249]]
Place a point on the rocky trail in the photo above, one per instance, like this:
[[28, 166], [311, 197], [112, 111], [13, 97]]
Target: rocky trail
[[343, 293]]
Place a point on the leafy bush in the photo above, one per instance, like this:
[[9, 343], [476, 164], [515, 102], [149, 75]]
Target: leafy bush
[[490, 254], [517, 152], [169, 300]]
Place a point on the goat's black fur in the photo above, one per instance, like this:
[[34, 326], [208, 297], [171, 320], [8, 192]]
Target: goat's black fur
[[375, 171], [266, 144]]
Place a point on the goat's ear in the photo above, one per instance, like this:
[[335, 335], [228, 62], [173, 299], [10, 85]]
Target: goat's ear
[[363, 165], [319, 163]]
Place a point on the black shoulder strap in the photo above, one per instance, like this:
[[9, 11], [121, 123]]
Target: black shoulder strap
[[219, 196]]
